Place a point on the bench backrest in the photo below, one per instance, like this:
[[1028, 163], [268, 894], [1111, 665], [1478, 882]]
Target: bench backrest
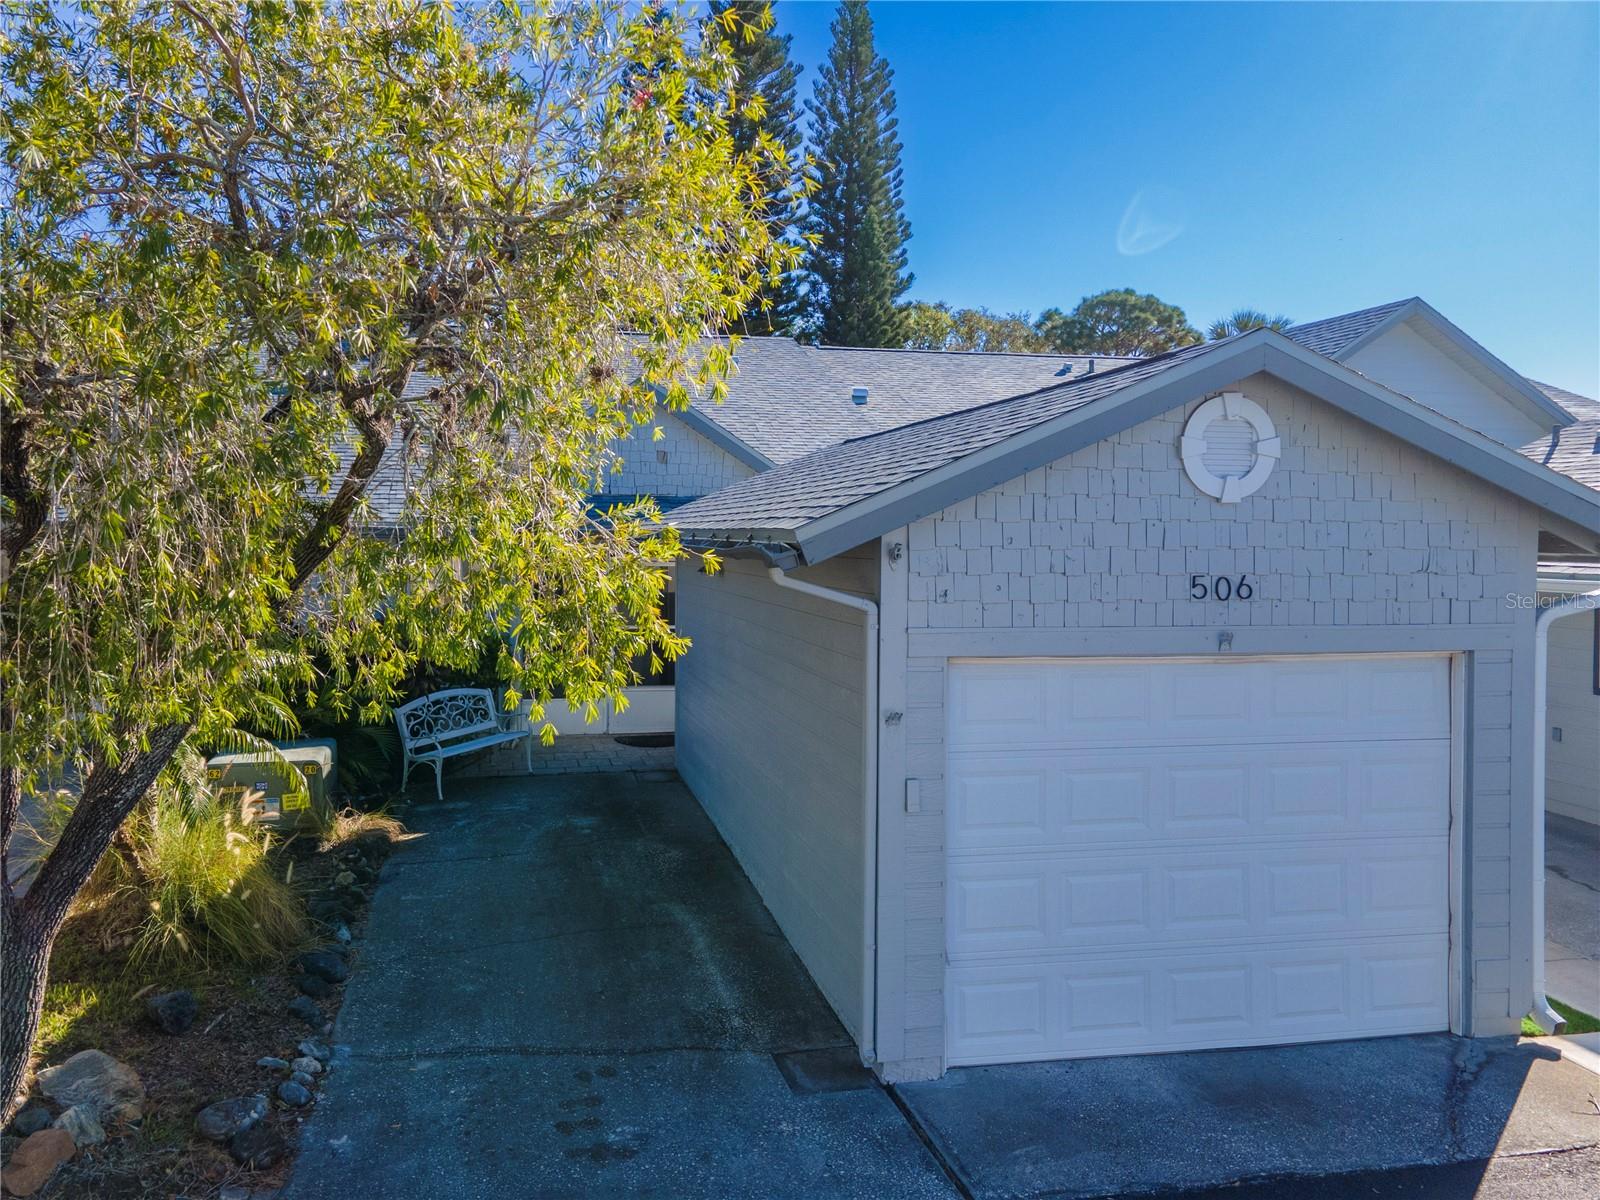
[[447, 716]]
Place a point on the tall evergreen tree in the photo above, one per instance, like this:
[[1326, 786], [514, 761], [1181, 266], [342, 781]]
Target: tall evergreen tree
[[765, 118], [856, 265]]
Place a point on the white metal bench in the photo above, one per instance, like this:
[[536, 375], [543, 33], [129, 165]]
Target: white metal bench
[[446, 724]]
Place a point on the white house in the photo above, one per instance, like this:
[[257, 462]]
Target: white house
[[1179, 704], [786, 400]]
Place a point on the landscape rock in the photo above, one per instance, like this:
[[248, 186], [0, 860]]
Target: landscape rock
[[314, 986], [83, 1123], [258, 1147], [35, 1160], [94, 1077], [324, 964], [303, 1080], [344, 878], [342, 933], [317, 1050], [293, 1093], [32, 1117], [273, 1064], [174, 1012], [306, 1009], [307, 1063], [220, 1121]]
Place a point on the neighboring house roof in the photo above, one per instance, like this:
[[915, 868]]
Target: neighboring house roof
[[786, 399], [1343, 336], [843, 495], [1573, 450]]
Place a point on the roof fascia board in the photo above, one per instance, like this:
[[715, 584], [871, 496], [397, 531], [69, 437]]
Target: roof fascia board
[[718, 436], [1439, 435], [1261, 350], [1376, 332], [713, 432], [1382, 327], [1514, 381], [1023, 452], [1511, 384]]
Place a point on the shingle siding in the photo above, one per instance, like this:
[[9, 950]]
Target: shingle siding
[[769, 740], [680, 463], [1356, 542], [1353, 528]]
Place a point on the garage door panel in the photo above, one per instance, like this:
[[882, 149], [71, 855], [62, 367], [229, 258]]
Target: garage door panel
[[1024, 703], [1147, 1002], [1046, 903], [1188, 794], [1169, 855]]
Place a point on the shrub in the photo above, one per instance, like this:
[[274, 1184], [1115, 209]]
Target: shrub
[[194, 876], [209, 886], [351, 826]]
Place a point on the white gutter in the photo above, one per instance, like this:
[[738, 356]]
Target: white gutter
[[1548, 1019], [869, 803]]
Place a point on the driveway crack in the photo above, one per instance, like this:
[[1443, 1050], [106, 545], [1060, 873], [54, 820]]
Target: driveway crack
[[946, 1165], [1466, 1064]]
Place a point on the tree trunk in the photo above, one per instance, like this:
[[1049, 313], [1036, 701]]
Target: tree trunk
[[24, 959], [32, 922]]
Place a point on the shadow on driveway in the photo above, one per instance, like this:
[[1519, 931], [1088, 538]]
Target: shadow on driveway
[[1164, 1123], [567, 987]]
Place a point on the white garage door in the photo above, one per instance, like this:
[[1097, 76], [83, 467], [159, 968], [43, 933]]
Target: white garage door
[[1170, 855]]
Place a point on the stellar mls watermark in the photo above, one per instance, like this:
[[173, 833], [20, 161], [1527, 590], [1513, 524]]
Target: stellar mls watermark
[[1548, 600]]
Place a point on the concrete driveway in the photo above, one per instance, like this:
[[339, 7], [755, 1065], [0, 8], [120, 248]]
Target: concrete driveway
[[567, 987], [1169, 1123], [1572, 912]]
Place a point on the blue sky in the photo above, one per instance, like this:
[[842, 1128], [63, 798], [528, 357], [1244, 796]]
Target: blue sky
[[1308, 159]]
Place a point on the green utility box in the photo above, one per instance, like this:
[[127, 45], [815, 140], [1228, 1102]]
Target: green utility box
[[264, 795]]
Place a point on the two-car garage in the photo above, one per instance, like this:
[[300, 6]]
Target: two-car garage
[[1155, 855]]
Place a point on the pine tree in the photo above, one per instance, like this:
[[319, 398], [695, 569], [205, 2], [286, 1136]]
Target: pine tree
[[856, 266], [765, 108]]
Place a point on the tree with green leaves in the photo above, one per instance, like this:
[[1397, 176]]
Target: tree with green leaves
[[941, 327], [1243, 320], [856, 262], [764, 123], [251, 254], [1117, 322]]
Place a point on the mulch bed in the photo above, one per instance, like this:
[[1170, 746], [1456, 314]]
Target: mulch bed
[[243, 1016]]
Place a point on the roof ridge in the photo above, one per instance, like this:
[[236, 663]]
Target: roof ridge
[[1039, 391], [966, 353]]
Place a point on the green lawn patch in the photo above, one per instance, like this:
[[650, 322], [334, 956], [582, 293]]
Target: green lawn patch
[[1577, 1021]]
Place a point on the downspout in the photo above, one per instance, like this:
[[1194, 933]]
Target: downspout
[[1547, 1018], [869, 802]]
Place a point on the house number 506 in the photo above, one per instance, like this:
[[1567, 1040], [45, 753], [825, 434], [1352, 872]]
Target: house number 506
[[1220, 587]]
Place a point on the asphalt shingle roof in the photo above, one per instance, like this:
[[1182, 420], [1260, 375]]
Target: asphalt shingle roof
[[1580, 407], [835, 477], [1332, 335], [1574, 451], [786, 400]]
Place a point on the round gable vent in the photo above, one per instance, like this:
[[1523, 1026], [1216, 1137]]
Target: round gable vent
[[1229, 447]]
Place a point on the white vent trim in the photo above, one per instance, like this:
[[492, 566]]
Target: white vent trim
[[1232, 487]]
